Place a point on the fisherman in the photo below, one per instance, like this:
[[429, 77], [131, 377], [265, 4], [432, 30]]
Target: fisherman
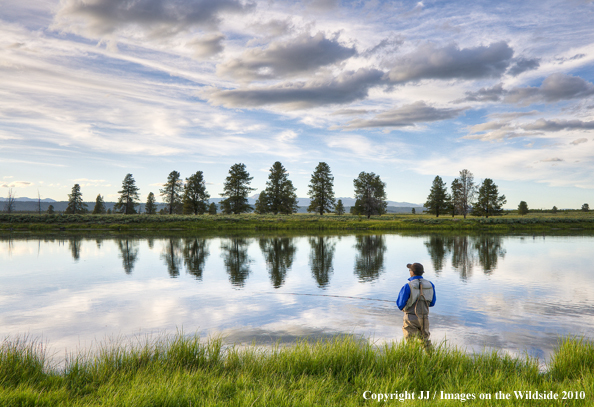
[[414, 299]]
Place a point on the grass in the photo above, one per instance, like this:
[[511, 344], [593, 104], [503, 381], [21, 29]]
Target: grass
[[181, 370], [306, 222]]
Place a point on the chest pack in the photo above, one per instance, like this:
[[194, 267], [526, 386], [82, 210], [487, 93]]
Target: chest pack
[[421, 295]]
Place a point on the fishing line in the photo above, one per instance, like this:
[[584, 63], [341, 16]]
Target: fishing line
[[331, 295]]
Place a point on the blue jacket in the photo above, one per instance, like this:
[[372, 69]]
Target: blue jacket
[[405, 294]]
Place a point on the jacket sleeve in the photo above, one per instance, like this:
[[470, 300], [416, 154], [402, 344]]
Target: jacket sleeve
[[403, 296], [434, 295]]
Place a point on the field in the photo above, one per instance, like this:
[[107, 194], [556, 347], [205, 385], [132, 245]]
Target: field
[[181, 370], [564, 220]]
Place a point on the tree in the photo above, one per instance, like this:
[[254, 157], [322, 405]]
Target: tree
[[9, 205], [463, 192], [38, 203], [413, 211], [212, 209], [195, 197], [370, 191], [439, 200], [237, 188], [339, 208], [128, 196], [554, 210], [50, 210], [151, 207], [99, 206], [262, 203], [321, 190], [75, 201], [489, 202], [523, 208], [585, 207], [280, 191], [171, 192]]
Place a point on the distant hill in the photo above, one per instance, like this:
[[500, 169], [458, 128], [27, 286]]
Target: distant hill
[[346, 201], [25, 199]]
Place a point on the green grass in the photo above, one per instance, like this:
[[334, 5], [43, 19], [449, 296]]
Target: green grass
[[183, 371], [305, 222]]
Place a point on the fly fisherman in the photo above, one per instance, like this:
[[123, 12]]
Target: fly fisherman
[[414, 299]]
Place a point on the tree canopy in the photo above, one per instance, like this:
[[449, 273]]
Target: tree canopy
[[237, 188], [339, 208], [321, 190], [489, 202], [75, 201], [171, 192], [99, 206], [370, 194], [280, 191], [195, 197], [523, 208], [151, 207], [438, 201], [128, 199], [463, 193]]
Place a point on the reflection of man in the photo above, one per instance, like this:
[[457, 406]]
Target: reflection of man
[[414, 299]]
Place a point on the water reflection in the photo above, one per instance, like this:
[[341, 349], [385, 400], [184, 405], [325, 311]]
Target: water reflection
[[369, 262], [466, 251], [278, 253], [195, 254], [128, 253], [75, 245], [172, 254], [236, 259], [321, 255]]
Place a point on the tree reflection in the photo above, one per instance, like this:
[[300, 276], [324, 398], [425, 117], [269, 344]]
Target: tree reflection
[[236, 260], [75, 245], [128, 253], [172, 254], [462, 256], [195, 253], [321, 256], [369, 262], [438, 246], [278, 253], [489, 250]]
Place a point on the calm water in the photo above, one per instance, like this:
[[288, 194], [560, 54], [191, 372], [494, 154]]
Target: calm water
[[513, 293]]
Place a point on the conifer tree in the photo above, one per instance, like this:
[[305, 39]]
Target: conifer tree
[[151, 207], [339, 208], [262, 204], [463, 192], [280, 191], [195, 197], [438, 201], [75, 201], [523, 208], [489, 202], [321, 190], [50, 210], [212, 209], [237, 188], [128, 199], [171, 192], [99, 208], [371, 194]]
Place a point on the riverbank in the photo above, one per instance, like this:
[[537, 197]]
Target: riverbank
[[305, 222], [182, 371]]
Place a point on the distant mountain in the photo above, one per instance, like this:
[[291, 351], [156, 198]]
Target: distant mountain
[[25, 199], [346, 201]]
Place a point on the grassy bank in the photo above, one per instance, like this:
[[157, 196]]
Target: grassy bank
[[304, 222], [182, 371]]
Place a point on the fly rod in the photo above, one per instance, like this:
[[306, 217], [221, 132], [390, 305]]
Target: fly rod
[[331, 295]]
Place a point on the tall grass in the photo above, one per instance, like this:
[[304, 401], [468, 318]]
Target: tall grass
[[183, 371]]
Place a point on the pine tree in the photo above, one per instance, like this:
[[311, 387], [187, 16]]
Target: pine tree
[[438, 201], [463, 192], [554, 210], [195, 197], [128, 199], [50, 210], [523, 208], [489, 202], [321, 190], [171, 192], [339, 208], [585, 207], [151, 207], [212, 209], [99, 208], [237, 189], [75, 201], [371, 194], [280, 191], [262, 204]]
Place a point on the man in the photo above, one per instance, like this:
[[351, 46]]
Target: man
[[414, 299]]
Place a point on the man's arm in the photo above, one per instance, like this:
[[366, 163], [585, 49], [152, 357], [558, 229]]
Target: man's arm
[[403, 296], [434, 296]]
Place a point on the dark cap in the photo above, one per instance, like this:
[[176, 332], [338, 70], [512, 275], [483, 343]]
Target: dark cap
[[416, 268]]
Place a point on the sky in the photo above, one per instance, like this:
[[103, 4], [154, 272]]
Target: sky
[[91, 90]]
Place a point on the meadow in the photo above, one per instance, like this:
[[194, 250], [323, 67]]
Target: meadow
[[181, 370]]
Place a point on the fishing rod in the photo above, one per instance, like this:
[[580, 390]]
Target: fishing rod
[[331, 295]]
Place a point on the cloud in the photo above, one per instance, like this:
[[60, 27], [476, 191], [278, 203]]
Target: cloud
[[282, 59], [562, 60], [207, 46], [579, 141], [554, 88], [17, 184], [345, 88], [552, 160], [521, 65], [156, 18], [493, 94], [274, 28], [451, 62], [88, 180], [407, 115], [558, 125], [7, 177]]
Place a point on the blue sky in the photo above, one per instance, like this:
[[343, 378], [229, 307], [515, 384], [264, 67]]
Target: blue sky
[[91, 90]]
